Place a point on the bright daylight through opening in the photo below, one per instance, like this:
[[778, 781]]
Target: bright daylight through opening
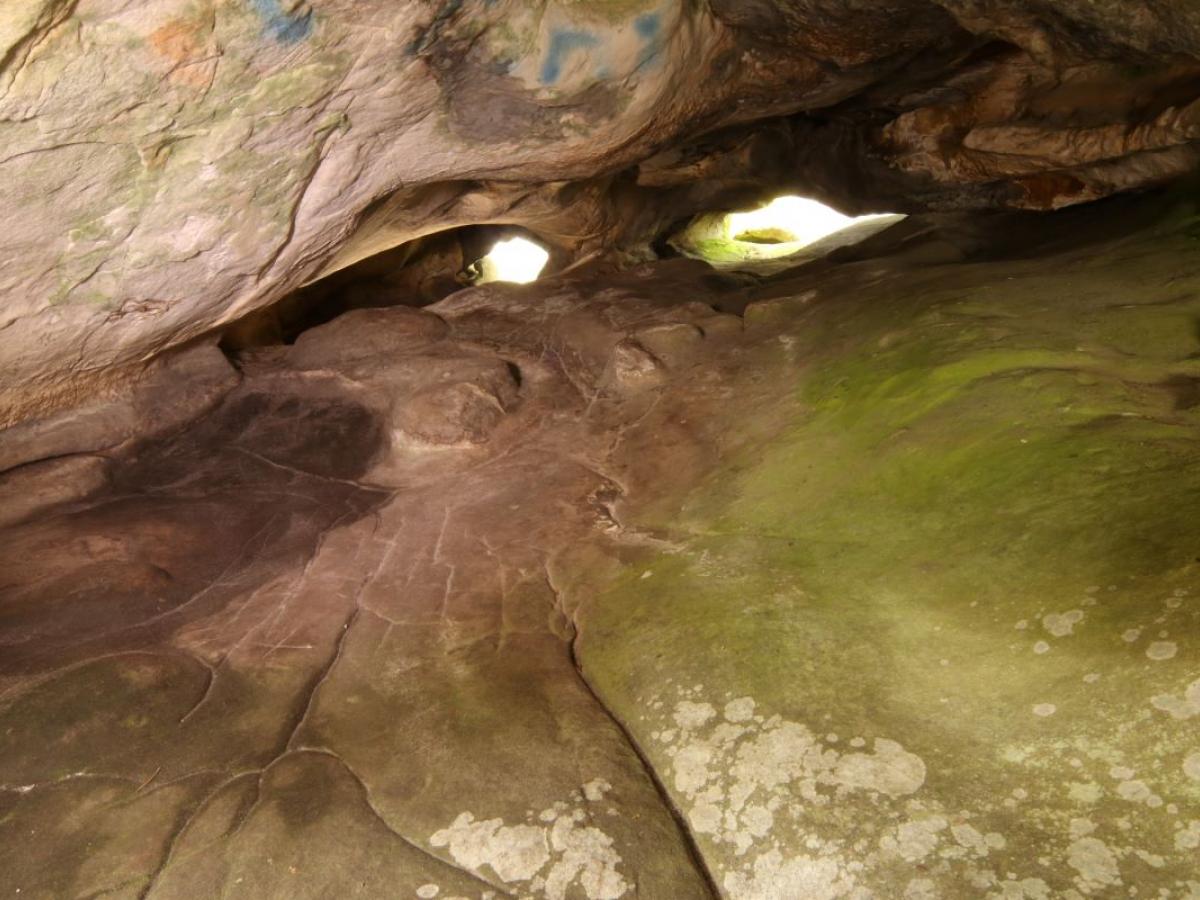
[[790, 220], [787, 230], [516, 259]]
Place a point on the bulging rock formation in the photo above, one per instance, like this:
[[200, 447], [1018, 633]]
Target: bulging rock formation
[[169, 167]]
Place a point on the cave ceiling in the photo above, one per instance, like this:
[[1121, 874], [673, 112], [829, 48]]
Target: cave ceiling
[[169, 167]]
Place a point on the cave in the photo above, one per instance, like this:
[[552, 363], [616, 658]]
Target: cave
[[600, 449]]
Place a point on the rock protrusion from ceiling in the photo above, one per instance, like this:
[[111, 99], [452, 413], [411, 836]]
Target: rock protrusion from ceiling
[[174, 170]]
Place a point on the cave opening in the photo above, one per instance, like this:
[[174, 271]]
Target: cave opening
[[414, 273], [516, 259], [788, 229], [790, 220]]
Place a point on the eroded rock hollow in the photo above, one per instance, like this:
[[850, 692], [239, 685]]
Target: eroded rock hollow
[[718, 561]]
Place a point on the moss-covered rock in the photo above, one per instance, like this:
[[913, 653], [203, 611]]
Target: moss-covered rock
[[935, 637]]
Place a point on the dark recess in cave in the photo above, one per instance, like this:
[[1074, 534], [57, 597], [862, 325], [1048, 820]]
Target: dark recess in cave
[[416, 273]]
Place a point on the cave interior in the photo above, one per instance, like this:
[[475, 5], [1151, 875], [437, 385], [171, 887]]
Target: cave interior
[[600, 449]]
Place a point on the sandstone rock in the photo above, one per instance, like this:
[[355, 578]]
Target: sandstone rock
[[672, 343], [431, 393], [581, 590], [36, 487], [205, 160], [634, 366], [796, 590], [365, 333], [452, 414], [166, 394]]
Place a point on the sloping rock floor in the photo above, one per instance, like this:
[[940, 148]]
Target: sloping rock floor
[[875, 578]]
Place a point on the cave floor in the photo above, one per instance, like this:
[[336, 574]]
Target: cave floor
[[886, 588]]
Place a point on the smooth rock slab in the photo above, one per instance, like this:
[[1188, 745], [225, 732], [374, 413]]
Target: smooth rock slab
[[909, 636], [765, 628]]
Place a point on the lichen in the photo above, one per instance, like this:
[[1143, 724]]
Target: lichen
[[550, 854], [958, 457]]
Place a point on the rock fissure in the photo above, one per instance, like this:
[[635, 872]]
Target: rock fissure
[[697, 858], [498, 890]]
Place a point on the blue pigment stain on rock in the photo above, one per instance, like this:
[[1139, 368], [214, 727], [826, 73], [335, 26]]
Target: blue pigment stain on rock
[[281, 25], [563, 42], [648, 27]]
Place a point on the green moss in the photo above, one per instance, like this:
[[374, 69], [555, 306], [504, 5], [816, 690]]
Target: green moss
[[968, 453], [292, 88], [720, 250], [611, 11]]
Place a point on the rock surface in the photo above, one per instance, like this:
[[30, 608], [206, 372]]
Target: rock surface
[[886, 589], [168, 167]]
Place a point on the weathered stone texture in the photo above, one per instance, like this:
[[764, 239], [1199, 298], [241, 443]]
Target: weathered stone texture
[[167, 167]]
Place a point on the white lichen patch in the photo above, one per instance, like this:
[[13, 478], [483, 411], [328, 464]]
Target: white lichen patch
[[1151, 859], [975, 842], [1062, 624], [1137, 791], [748, 781], [1191, 766], [1095, 864], [782, 808], [515, 853], [595, 790], [914, 841], [889, 770], [549, 854], [921, 889], [1081, 827], [1161, 650], [772, 875], [690, 715], [1188, 837], [1025, 889], [739, 710], [1180, 707]]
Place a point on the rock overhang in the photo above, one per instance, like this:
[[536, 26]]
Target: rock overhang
[[178, 166]]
